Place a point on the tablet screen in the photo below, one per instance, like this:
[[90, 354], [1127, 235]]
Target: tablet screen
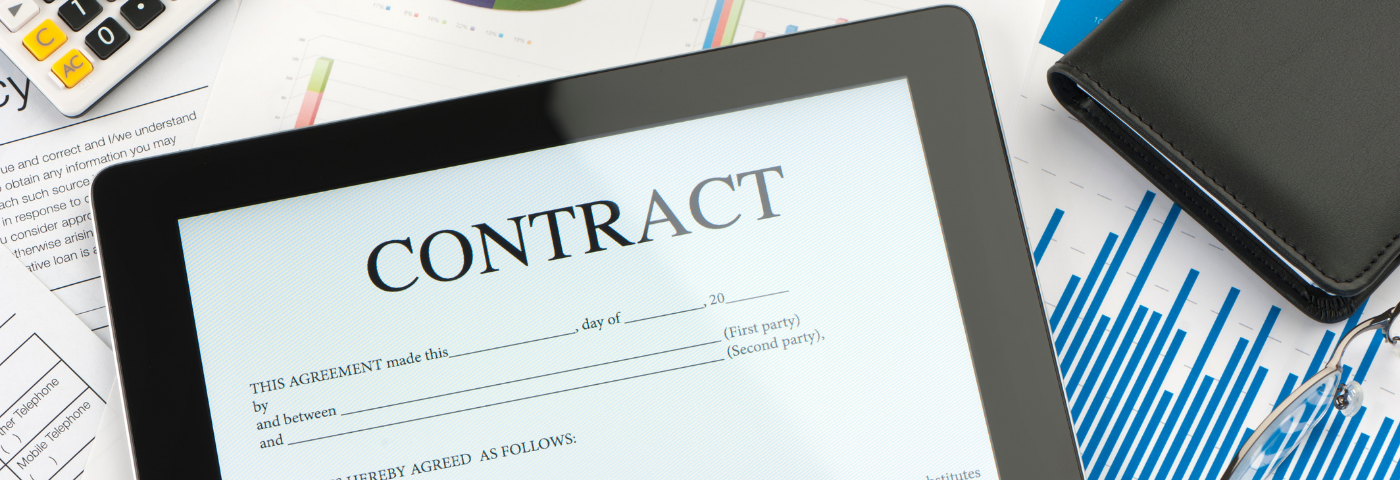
[[763, 293]]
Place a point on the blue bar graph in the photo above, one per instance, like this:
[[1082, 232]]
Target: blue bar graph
[[1123, 248], [1141, 379], [1192, 378], [1073, 317], [1117, 363], [790, 29], [1156, 416], [1234, 397], [1223, 454], [1204, 417], [1114, 367]]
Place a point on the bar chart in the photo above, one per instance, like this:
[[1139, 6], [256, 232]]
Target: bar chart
[[1114, 367]]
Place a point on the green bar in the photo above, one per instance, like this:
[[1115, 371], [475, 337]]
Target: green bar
[[732, 23], [320, 75]]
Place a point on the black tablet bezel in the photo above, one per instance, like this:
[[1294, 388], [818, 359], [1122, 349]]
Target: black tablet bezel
[[137, 205]]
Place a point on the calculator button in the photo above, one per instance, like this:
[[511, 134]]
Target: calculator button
[[72, 68], [15, 13], [77, 13], [140, 12], [44, 40], [107, 38]]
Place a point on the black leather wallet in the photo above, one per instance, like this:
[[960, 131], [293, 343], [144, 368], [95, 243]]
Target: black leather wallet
[[1276, 125]]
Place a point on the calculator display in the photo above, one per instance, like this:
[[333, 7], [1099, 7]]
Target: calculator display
[[757, 294]]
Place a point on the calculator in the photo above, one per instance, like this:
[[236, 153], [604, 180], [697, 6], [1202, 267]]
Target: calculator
[[75, 51]]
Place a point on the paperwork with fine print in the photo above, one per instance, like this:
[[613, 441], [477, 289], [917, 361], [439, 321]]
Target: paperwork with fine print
[[47, 160], [273, 40], [304, 62], [55, 376]]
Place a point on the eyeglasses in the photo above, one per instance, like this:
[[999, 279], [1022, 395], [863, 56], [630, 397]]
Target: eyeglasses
[[1292, 418]]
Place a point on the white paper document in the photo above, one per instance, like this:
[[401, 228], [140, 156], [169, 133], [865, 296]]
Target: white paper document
[[47, 161], [305, 62], [55, 376]]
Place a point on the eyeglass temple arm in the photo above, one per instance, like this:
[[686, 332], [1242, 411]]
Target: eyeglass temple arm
[[1383, 321]]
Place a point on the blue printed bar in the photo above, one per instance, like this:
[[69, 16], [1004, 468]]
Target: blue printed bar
[[1331, 439], [1224, 453], [1049, 234], [1141, 280], [1355, 456], [1110, 347], [1321, 354], [1097, 371], [1370, 355], [1083, 298], [1287, 388], [1064, 302], [1375, 451], [715, 19], [1234, 397], [1347, 439], [1389, 458], [1095, 339], [1196, 369], [1123, 247], [1151, 428], [1137, 383], [1211, 408], [1140, 443], [1198, 398], [1115, 368]]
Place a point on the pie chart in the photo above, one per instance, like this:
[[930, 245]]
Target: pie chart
[[519, 5]]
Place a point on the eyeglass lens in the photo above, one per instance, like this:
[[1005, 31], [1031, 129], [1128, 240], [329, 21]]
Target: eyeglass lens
[[1284, 433]]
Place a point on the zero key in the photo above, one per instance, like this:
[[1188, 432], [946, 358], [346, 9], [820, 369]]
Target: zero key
[[107, 38], [139, 13], [15, 13]]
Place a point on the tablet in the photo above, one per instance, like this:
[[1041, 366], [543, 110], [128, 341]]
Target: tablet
[[795, 258]]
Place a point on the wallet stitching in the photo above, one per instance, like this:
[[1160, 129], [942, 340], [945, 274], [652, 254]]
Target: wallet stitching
[[1251, 211], [1288, 279]]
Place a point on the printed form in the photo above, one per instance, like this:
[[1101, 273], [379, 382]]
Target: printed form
[[54, 379], [47, 160]]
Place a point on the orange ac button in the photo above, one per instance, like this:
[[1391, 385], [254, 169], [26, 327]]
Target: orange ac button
[[72, 68], [44, 40]]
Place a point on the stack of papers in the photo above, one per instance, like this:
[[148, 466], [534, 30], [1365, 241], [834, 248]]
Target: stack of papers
[[1170, 347]]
